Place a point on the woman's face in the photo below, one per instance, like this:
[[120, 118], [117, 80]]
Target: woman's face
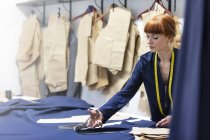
[[157, 42]]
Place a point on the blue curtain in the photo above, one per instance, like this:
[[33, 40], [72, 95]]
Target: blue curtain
[[191, 115]]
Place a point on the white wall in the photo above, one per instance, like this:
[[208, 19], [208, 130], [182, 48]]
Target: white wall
[[11, 25]]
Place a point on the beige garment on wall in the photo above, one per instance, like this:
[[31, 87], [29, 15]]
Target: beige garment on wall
[[99, 73], [117, 81], [29, 81], [177, 41], [27, 56], [111, 43], [86, 71], [84, 32], [55, 39]]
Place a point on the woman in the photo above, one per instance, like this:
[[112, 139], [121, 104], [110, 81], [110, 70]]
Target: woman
[[155, 69]]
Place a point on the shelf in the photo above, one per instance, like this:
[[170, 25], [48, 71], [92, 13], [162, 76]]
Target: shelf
[[43, 2]]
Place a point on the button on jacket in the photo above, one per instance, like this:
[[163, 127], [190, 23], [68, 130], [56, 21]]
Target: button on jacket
[[143, 73]]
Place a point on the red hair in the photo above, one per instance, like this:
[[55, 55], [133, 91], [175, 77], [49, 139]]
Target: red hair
[[161, 24]]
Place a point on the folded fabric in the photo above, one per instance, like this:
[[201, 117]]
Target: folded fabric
[[151, 133]]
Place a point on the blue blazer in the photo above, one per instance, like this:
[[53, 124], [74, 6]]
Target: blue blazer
[[142, 73]]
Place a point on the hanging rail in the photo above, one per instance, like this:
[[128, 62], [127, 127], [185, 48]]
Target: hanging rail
[[125, 3], [100, 7], [44, 12], [169, 5], [50, 2]]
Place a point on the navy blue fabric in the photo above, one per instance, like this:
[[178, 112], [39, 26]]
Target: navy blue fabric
[[128, 125], [143, 72], [191, 108], [142, 123], [44, 103], [124, 127], [19, 117]]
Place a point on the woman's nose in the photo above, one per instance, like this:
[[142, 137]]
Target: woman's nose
[[150, 40]]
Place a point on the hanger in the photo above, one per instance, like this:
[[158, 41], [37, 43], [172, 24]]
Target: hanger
[[111, 7], [140, 15], [87, 11], [32, 12], [59, 14], [152, 7], [166, 10]]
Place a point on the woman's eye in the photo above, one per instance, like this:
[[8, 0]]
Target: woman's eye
[[147, 36], [155, 37]]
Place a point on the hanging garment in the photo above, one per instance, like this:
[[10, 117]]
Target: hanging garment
[[55, 38], [43, 88], [86, 71], [117, 81], [84, 32], [93, 70], [111, 43], [100, 72], [74, 88], [27, 56]]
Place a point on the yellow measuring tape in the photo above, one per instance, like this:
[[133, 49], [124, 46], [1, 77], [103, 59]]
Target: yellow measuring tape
[[170, 82]]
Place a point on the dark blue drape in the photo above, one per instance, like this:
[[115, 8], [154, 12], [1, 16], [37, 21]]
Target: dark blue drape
[[192, 95], [18, 121]]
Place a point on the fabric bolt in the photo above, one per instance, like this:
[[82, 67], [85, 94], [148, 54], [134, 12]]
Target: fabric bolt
[[55, 38], [112, 40], [28, 55]]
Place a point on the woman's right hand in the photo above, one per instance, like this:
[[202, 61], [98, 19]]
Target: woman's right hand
[[95, 118]]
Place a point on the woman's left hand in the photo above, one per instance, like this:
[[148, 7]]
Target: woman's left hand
[[165, 122]]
